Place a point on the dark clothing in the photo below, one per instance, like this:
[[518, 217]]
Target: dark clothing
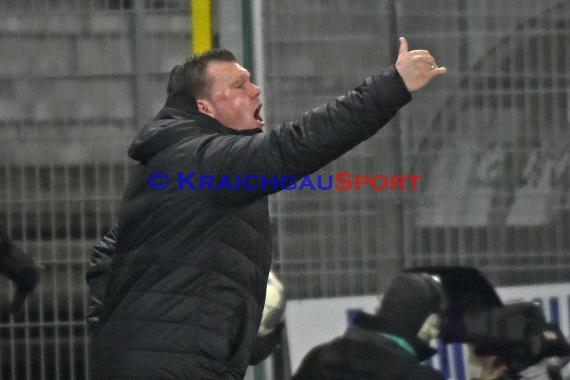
[[188, 279], [99, 275], [362, 355], [398, 324], [21, 269]]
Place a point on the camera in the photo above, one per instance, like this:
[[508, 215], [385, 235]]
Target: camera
[[517, 333]]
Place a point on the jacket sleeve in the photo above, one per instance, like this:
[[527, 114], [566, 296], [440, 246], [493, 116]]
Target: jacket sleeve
[[99, 273], [296, 149]]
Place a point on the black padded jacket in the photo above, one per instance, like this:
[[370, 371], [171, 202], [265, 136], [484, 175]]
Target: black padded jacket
[[364, 355], [183, 296]]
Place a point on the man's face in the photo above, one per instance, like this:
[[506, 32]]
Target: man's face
[[233, 100]]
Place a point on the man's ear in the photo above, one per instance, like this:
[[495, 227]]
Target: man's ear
[[204, 106]]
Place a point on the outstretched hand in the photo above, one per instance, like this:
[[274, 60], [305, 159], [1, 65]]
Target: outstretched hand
[[417, 67]]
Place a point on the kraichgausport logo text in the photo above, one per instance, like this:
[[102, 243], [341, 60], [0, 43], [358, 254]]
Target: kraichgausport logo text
[[340, 181]]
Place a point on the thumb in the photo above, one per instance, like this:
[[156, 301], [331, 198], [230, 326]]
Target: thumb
[[404, 48], [439, 71]]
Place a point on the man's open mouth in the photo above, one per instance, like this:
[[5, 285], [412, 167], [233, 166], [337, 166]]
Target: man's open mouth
[[257, 115]]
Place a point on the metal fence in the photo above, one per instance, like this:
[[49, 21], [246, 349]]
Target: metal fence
[[332, 242], [489, 139], [76, 80], [78, 77]]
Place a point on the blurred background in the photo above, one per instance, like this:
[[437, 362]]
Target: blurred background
[[78, 78]]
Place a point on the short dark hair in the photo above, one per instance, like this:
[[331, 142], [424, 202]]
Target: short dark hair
[[190, 78]]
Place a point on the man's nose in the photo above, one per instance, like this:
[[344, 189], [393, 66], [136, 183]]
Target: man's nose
[[255, 90]]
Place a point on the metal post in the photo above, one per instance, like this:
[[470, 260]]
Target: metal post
[[403, 247], [202, 35], [138, 58]]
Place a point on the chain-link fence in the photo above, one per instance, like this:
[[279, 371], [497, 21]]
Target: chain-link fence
[[77, 78], [489, 140]]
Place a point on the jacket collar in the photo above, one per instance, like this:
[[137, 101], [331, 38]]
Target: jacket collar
[[380, 325], [181, 102]]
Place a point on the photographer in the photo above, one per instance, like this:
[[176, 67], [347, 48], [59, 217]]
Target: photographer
[[391, 344], [508, 342]]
